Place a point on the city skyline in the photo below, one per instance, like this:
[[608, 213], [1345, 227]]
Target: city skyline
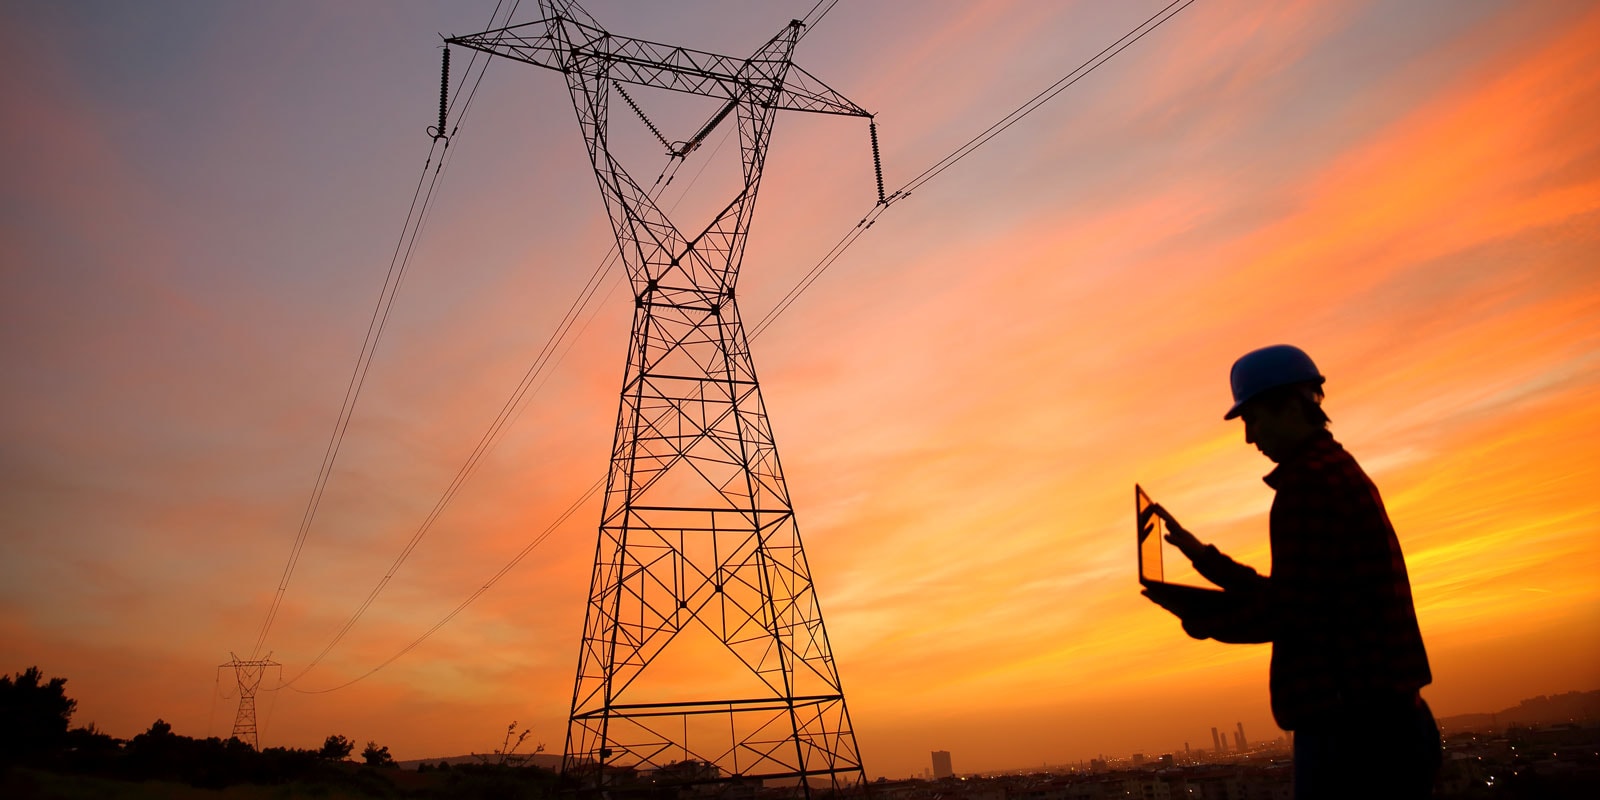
[[205, 199]]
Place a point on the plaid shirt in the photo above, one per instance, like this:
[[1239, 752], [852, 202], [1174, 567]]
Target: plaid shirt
[[1337, 606]]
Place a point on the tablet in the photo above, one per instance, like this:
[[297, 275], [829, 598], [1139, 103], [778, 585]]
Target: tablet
[[1151, 533]]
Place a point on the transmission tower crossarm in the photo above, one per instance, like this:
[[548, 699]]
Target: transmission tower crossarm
[[566, 46], [803, 91], [528, 42]]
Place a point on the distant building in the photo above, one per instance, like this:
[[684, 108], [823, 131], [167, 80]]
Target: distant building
[[941, 765], [1216, 742], [1243, 743], [1146, 788], [1138, 758], [689, 771]]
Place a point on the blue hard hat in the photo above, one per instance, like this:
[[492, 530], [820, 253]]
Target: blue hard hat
[[1268, 368]]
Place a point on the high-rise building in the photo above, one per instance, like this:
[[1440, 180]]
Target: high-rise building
[[1216, 742], [1242, 741], [941, 765]]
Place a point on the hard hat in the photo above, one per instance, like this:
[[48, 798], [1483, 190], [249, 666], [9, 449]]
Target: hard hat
[[1268, 368]]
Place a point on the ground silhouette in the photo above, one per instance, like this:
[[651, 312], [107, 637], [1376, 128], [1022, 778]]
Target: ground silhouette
[[41, 756]]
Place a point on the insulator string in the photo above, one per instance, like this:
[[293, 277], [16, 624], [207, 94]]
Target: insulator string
[[877, 161], [444, 95], [643, 118]]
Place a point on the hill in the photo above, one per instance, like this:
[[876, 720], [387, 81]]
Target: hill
[[1541, 710]]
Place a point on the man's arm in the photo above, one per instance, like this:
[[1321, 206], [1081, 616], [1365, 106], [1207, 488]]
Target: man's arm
[[1241, 614], [1250, 617], [1207, 559], [1329, 558]]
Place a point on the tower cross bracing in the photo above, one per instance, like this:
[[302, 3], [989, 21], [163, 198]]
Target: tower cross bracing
[[248, 674], [704, 656]]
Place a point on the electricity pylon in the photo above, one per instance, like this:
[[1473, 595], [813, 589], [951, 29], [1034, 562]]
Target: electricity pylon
[[704, 657], [248, 674]]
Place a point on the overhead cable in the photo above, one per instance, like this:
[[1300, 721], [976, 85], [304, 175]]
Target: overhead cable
[[399, 260], [508, 414], [1049, 93]]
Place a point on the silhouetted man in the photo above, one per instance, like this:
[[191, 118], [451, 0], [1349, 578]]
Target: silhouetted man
[[1347, 656]]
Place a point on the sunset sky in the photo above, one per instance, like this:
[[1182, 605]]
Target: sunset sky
[[201, 204]]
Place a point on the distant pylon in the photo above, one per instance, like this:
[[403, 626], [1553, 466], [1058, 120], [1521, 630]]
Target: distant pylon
[[704, 657], [248, 674]]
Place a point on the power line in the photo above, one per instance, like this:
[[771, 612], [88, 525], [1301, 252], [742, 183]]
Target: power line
[[508, 413], [812, 17], [537, 540], [1111, 50], [216, 690], [486, 442], [399, 261], [1049, 93], [358, 375]]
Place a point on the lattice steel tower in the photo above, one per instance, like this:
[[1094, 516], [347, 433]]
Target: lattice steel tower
[[248, 674], [704, 656]]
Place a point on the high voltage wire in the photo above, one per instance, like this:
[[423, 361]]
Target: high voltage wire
[[1111, 50], [508, 413], [808, 20], [537, 540], [216, 691], [513, 405], [380, 316], [485, 443], [938, 168], [399, 261]]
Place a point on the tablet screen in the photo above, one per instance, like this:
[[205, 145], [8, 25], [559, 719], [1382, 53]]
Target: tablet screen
[[1150, 535]]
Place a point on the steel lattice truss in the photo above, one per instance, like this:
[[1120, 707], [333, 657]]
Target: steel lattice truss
[[699, 567], [248, 674]]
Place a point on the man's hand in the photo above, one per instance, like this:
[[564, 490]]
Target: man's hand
[[1196, 628], [1193, 623], [1178, 535], [1161, 600]]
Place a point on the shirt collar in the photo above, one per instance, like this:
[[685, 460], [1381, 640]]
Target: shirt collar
[[1314, 443]]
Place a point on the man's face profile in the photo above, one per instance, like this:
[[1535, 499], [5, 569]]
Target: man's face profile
[[1274, 428]]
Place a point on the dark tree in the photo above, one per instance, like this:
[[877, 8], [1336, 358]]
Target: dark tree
[[336, 748], [377, 756], [34, 714], [157, 745]]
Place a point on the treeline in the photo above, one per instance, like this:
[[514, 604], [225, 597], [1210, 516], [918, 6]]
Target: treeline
[[42, 755]]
